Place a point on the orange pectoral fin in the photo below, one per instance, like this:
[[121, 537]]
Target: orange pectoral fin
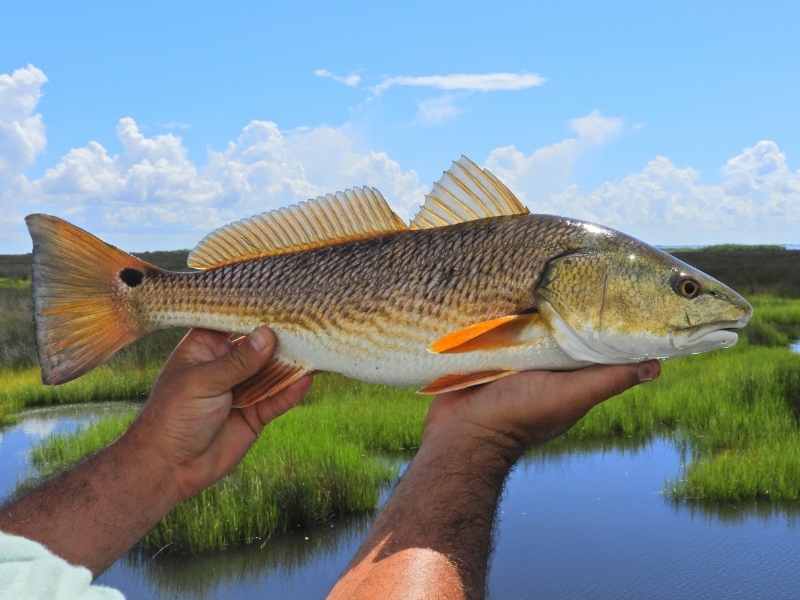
[[451, 383], [274, 378], [495, 333]]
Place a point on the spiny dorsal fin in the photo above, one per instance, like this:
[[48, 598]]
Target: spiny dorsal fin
[[466, 193], [355, 214]]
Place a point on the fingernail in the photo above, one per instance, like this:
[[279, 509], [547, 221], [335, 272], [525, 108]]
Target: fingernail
[[260, 338], [648, 371]]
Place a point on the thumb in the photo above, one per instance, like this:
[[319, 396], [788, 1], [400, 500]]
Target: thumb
[[589, 387], [246, 357]]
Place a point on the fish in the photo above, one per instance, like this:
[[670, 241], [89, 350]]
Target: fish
[[474, 289]]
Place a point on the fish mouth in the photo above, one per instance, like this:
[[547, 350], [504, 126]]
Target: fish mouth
[[703, 338]]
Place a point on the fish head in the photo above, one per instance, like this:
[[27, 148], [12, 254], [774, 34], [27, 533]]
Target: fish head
[[614, 299]]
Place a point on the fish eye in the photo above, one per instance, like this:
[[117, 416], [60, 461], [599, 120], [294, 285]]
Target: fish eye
[[687, 287]]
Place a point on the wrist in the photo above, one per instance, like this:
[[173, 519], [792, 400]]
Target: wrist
[[482, 449], [147, 466]]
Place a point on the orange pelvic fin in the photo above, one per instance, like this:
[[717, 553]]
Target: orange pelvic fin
[[495, 333], [451, 383], [268, 382]]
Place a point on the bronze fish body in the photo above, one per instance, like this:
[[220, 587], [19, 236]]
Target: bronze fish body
[[474, 290]]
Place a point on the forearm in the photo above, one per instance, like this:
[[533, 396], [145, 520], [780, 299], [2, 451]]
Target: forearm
[[434, 536], [92, 514]]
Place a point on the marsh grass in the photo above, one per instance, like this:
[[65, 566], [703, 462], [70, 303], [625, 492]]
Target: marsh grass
[[23, 388], [315, 463], [17, 342], [775, 322], [128, 376]]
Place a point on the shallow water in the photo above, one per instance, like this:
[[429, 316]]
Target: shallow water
[[589, 524]]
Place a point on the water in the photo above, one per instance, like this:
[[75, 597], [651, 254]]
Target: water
[[590, 524], [795, 347]]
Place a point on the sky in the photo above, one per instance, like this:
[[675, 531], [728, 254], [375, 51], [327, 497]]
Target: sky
[[152, 124]]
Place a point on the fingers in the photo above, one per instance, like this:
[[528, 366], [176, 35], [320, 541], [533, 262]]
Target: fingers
[[198, 345], [588, 387], [244, 358]]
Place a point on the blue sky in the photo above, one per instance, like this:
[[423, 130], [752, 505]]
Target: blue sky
[[152, 124]]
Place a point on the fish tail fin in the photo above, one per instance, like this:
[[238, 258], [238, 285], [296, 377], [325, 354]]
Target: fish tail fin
[[82, 298]]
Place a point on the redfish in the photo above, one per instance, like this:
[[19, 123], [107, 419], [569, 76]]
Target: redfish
[[474, 289]]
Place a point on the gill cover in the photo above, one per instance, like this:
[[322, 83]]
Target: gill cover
[[571, 298]]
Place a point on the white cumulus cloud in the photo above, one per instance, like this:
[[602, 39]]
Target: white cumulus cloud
[[549, 169], [756, 200], [148, 171], [152, 186], [473, 82], [22, 132], [266, 166]]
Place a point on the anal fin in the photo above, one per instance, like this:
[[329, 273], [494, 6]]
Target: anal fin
[[268, 382], [451, 383]]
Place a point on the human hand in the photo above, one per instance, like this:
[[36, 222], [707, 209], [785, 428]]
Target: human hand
[[188, 425], [530, 408]]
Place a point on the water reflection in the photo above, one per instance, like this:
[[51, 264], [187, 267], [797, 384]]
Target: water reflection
[[211, 575], [597, 525], [739, 512], [35, 425], [577, 520]]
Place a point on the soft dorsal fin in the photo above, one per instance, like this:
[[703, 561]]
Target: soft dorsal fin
[[466, 192], [355, 214]]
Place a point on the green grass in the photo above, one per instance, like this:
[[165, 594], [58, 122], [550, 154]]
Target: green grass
[[128, 376], [15, 283], [17, 343], [775, 322], [716, 402], [317, 462], [23, 388]]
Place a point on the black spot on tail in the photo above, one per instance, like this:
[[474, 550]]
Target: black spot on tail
[[131, 277]]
